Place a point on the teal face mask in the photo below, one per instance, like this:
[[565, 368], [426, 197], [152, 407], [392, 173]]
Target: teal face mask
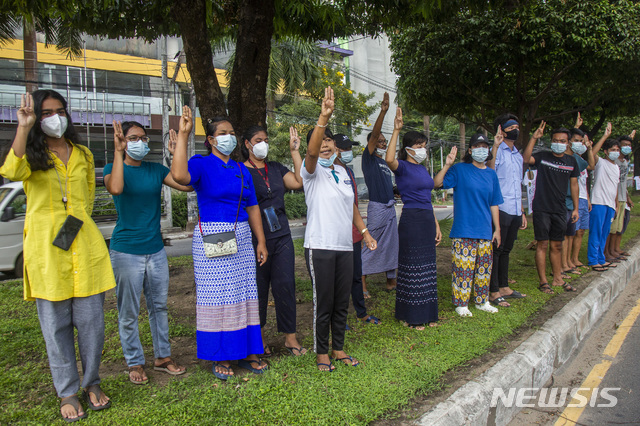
[[327, 162], [626, 150], [346, 157]]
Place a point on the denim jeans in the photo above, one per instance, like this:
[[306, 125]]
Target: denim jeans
[[57, 320], [135, 274]]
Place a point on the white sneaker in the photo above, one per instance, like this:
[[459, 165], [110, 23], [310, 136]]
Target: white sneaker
[[486, 306], [463, 311]]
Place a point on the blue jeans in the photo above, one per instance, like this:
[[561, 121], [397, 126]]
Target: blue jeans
[[134, 274], [57, 320]]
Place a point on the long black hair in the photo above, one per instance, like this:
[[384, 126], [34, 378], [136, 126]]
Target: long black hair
[[247, 136], [36, 151], [408, 140], [211, 127]]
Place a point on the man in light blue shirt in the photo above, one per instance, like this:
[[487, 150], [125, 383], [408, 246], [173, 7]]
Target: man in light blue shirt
[[508, 164]]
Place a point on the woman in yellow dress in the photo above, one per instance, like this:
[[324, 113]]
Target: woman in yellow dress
[[66, 270]]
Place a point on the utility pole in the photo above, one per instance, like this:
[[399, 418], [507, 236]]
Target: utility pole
[[166, 191], [192, 200]]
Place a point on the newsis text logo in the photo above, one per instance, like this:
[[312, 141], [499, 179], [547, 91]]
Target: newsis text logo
[[555, 397]]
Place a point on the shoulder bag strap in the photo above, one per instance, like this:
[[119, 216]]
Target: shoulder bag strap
[[235, 226]]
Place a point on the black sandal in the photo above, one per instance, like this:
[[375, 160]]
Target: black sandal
[[544, 287], [567, 287]]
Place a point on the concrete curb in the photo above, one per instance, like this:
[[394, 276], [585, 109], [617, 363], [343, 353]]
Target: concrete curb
[[532, 363]]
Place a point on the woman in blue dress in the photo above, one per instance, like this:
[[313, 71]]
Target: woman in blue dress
[[418, 231], [227, 320]]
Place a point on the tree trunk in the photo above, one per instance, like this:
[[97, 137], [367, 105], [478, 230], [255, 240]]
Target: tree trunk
[[191, 17], [30, 48], [248, 86], [462, 150], [271, 107]]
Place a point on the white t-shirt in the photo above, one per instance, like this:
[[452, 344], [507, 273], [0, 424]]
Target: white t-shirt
[[605, 185], [329, 208], [582, 184], [624, 171]]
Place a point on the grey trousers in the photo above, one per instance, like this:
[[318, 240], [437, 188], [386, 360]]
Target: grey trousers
[[57, 320]]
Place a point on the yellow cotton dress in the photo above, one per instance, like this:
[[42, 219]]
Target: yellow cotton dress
[[51, 273]]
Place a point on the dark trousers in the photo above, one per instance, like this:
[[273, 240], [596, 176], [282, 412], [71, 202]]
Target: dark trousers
[[278, 272], [331, 275], [357, 295], [509, 225]]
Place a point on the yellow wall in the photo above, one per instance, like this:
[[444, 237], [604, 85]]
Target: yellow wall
[[103, 61]]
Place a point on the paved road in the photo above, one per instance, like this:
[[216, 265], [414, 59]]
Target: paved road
[[588, 361], [182, 247]]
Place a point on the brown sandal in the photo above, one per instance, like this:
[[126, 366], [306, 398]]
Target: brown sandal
[[140, 370], [75, 403], [164, 367], [544, 287]]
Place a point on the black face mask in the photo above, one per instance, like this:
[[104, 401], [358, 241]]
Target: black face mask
[[512, 135]]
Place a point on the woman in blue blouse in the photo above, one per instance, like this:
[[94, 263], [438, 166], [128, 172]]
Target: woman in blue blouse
[[418, 231], [227, 320]]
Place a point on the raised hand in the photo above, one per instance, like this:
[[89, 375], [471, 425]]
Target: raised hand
[[328, 103], [26, 115], [578, 121], [385, 102], [398, 122], [294, 139], [186, 121], [633, 134], [587, 142], [451, 158], [540, 130], [607, 131], [173, 140], [119, 142], [498, 138]]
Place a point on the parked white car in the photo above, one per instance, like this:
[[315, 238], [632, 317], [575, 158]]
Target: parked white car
[[13, 206]]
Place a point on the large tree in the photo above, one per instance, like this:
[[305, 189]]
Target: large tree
[[540, 59]]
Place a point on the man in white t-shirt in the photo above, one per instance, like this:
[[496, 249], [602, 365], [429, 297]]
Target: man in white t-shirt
[[603, 199]]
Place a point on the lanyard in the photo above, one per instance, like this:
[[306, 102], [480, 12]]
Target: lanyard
[[265, 177], [66, 181]]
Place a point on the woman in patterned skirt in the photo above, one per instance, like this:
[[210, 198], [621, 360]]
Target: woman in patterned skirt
[[227, 320], [418, 230], [476, 198]]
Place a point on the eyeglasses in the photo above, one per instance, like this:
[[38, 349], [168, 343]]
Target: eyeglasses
[[144, 139]]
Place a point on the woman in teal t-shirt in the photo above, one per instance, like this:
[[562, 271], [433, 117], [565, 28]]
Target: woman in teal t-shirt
[[137, 251]]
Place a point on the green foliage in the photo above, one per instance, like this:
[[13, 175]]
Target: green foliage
[[179, 211], [295, 205], [540, 60]]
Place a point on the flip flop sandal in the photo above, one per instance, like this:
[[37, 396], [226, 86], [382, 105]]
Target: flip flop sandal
[[299, 350], [140, 370], [75, 403], [515, 295], [95, 389], [567, 287], [510, 281], [164, 367], [609, 265], [625, 253], [599, 268], [366, 296], [371, 320], [614, 260], [349, 359], [622, 258], [544, 287], [573, 271], [266, 354], [221, 376], [497, 302], [247, 364], [331, 369]]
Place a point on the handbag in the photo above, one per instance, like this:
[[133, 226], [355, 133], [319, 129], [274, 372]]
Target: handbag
[[223, 243]]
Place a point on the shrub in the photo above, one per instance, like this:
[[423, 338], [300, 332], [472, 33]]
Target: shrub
[[179, 212], [295, 205]]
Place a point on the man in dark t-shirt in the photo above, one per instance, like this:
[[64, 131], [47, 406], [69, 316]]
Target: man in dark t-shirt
[[556, 172]]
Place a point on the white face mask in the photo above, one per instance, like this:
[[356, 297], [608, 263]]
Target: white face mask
[[260, 150], [381, 152], [578, 148], [54, 126], [480, 154], [419, 154]]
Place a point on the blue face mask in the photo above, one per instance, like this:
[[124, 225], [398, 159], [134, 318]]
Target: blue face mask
[[480, 154], [626, 150], [226, 144], [578, 148], [613, 155], [346, 157], [327, 162], [558, 148], [137, 150]]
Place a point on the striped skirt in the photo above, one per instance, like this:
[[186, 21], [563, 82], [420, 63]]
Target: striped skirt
[[227, 319], [417, 290]]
